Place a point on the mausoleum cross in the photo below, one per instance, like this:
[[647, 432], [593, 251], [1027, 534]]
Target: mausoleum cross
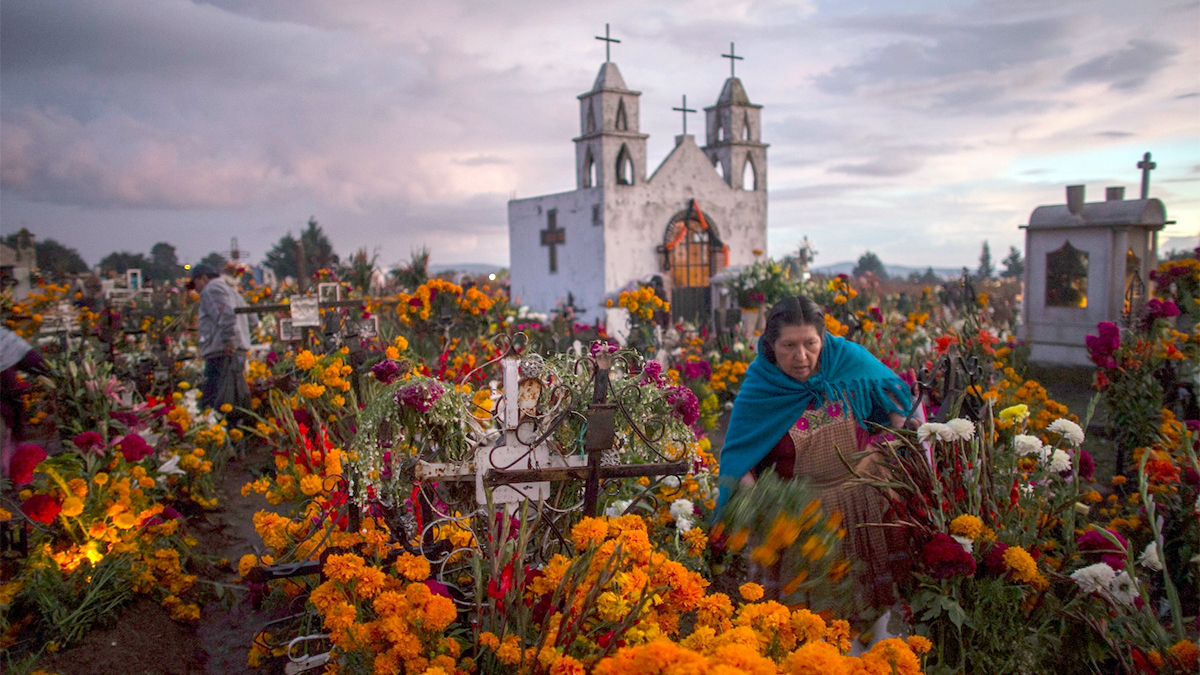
[[1146, 166], [607, 44], [684, 111], [552, 236], [733, 58]]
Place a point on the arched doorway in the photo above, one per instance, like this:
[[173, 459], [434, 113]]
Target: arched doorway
[[691, 253]]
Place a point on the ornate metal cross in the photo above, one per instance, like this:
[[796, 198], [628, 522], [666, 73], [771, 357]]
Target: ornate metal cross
[[607, 44], [1146, 166], [684, 111], [733, 58], [552, 236]]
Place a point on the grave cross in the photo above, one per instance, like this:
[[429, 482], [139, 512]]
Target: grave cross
[[684, 111], [1146, 166], [733, 58], [607, 44], [552, 236]]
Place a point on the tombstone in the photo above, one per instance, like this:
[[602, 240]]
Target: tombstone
[[133, 279], [1086, 263]]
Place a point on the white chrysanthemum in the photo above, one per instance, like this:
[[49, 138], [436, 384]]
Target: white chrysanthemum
[[1068, 430], [945, 433], [967, 543], [1027, 445], [928, 431], [1123, 588], [1094, 577], [616, 508], [964, 429], [1149, 558], [683, 510], [1059, 461]]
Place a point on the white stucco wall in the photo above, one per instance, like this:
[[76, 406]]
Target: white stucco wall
[[580, 257]]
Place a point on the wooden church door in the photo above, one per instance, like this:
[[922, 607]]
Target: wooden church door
[[692, 254]]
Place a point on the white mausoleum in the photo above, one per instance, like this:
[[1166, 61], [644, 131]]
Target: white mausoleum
[[702, 209], [1086, 263]]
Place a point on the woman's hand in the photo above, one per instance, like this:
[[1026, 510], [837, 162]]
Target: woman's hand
[[900, 422]]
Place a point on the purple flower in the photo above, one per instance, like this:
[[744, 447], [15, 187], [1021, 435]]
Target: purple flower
[[684, 404], [834, 409], [386, 371], [134, 448], [652, 374], [1095, 544], [1087, 466], [129, 419], [602, 345], [1159, 309], [695, 370], [419, 395], [802, 423], [1101, 347]]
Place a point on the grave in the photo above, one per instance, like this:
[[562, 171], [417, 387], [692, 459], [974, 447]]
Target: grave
[[1087, 263]]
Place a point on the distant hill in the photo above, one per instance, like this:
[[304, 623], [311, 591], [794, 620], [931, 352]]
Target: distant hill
[[901, 271]]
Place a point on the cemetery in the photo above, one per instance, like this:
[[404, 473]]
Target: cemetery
[[522, 473]]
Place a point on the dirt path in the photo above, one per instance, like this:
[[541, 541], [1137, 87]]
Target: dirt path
[[145, 640]]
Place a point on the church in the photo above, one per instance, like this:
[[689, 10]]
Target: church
[[701, 210]]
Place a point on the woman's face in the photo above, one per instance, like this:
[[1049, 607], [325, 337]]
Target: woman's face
[[798, 351]]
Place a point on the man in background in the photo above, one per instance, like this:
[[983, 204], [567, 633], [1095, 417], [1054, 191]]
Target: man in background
[[224, 340]]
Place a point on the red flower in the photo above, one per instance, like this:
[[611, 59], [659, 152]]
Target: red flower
[[993, 562], [42, 508], [134, 448], [89, 440], [944, 342], [24, 460], [944, 558], [497, 591]]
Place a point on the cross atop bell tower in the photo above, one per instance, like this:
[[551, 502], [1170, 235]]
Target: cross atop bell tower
[[733, 134], [609, 151]]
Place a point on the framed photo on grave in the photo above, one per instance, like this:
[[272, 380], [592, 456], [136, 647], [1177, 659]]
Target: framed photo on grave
[[288, 332], [305, 311], [329, 292]]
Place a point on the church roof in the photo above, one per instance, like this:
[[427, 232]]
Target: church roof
[[733, 92], [609, 77], [1113, 213]]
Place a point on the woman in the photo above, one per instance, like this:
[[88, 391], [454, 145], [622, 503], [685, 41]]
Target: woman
[[806, 397]]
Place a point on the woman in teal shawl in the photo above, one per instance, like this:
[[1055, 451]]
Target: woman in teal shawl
[[806, 397]]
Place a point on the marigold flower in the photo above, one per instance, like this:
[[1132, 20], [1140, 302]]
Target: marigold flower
[[72, 506], [412, 567], [125, 520], [967, 525], [751, 591], [1186, 653], [1024, 568], [919, 644]]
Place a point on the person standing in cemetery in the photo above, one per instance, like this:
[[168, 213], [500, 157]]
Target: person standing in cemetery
[[807, 396], [224, 338]]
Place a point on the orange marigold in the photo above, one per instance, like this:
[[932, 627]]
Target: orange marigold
[[816, 658], [751, 591]]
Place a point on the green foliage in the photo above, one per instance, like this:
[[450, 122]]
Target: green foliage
[[284, 259], [869, 263], [416, 272], [986, 269], [1014, 266], [70, 605]]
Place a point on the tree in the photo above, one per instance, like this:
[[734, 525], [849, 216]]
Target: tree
[[1014, 266], [164, 264], [416, 272], [360, 269], [869, 262], [928, 278], [53, 259], [121, 261], [214, 260], [318, 252], [986, 269]]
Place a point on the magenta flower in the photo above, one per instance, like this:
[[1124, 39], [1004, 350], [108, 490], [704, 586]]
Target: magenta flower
[[419, 395], [1102, 347], [89, 440]]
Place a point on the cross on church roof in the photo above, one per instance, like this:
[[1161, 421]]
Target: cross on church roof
[[1146, 166], [733, 58], [607, 43], [684, 111]]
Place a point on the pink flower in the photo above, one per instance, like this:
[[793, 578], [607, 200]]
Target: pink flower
[[134, 448], [89, 440]]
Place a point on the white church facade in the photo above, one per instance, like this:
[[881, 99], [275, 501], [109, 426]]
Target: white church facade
[[702, 209]]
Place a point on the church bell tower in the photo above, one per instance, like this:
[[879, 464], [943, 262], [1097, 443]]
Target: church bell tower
[[609, 152], [734, 143]]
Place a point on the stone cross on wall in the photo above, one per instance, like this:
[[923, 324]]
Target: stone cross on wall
[[1146, 166], [733, 58], [552, 237], [684, 111]]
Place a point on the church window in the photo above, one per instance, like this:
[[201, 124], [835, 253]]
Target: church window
[[622, 118], [597, 221], [589, 170], [746, 128], [720, 167], [720, 132], [749, 175], [591, 119], [624, 167], [1066, 277]]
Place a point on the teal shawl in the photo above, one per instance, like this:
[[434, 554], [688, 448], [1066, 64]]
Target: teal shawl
[[769, 402]]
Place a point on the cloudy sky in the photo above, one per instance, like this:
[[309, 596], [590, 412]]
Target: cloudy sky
[[913, 128]]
